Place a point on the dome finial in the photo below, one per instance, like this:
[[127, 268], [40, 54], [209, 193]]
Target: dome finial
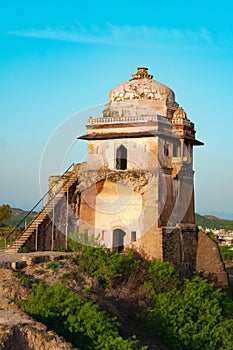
[[142, 73]]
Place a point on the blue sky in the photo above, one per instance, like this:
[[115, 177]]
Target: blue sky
[[61, 57]]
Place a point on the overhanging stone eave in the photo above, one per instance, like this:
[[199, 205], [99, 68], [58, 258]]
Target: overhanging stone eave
[[193, 141], [198, 143], [106, 136]]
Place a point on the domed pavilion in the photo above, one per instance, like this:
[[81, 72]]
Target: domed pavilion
[[136, 190]]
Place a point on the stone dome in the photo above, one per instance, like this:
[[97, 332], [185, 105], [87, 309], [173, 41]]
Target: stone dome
[[141, 87], [141, 92]]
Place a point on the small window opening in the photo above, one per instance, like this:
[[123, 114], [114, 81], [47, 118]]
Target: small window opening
[[121, 158], [103, 235], [133, 236], [166, 149], [175, 150]]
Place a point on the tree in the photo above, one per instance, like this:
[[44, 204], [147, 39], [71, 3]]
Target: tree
[[5, 213]]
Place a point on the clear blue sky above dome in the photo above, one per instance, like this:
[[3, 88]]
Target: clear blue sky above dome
[[59, 57]]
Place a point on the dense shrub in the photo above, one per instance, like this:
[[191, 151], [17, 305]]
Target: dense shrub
[[193, 316], [109, 267], [5, 213], [189, 314], [81, 322]]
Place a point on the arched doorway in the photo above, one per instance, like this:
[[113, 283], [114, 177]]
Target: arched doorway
[[121, 158], [118, 239]]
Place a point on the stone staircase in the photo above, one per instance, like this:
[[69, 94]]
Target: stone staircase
[[61, 189]]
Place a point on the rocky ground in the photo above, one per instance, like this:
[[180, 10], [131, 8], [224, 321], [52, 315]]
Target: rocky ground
[[20, 332], [17, 330]]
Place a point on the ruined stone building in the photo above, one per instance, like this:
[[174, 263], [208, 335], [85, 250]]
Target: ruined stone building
[[136, 189]]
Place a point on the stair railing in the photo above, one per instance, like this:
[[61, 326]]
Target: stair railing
[[42, 198]]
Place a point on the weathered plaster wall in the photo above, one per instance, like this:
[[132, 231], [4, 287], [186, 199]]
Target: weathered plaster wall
[[141, 153], [119, 201], [106, 200]]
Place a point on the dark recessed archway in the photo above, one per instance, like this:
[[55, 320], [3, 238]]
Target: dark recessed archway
[[118, 239]]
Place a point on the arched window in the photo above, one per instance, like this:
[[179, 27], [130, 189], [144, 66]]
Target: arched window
[[121, 158]]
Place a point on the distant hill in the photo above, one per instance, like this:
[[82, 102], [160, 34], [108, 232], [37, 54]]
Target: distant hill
[[18, 215], [213, 222], [206, 221], [220, 214]]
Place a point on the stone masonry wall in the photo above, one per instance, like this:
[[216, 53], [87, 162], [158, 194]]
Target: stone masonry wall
[[180, 246], [209, 263], [150, 244]]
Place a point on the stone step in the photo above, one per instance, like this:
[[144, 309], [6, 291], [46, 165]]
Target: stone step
[[15, 248], [19, 241], [22, 239], [30, 229], [45, 211], [35, 223]]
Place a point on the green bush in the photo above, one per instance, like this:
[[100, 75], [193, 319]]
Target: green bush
[[162, 275], [53, 265], [78, 321], [195, 316], [212, 236], [79, 240], [62, 250], [109, 267], [5, 213], [23, 250], [226, 253], [189, 314]]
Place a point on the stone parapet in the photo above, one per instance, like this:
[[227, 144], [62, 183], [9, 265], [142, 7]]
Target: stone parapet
[[127, 119]]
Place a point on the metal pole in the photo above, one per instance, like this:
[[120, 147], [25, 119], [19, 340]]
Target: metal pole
[[67, 215], [36, 240], [52, 228]]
